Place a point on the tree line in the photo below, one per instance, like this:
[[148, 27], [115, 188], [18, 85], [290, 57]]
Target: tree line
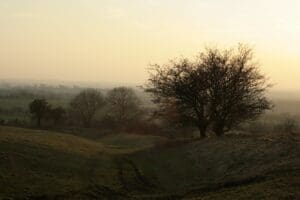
[[215, 92], [119, 105]]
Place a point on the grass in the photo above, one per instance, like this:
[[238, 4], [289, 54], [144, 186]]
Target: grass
[[35, 163], [213, 164], [51, 165], [45, 139], [131, 141]]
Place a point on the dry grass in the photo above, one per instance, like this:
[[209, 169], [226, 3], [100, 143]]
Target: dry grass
[[44, 164], [56, 141]]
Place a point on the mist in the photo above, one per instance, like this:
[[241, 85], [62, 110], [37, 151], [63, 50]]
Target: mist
[[149, 99], [104, 41]]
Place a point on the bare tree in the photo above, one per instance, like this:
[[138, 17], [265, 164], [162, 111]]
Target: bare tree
[[182, 84], [56, 115], [123, 104], [85, 105], [220, 89], [236, 87]]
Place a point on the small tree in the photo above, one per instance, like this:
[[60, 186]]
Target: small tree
[[123, 104], [289, 124], [220, 89], [85, 105], [56, 114], [39, 108]]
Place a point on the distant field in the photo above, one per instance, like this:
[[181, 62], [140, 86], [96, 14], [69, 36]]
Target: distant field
[[49, 165], [14, 102]]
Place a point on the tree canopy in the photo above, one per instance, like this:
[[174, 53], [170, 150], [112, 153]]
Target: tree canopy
[[218, 90], [85, 104], [123, 104]]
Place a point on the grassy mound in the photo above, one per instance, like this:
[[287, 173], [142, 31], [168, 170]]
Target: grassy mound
[[43, 164], [52, 140], [237, 167], [50, 165]]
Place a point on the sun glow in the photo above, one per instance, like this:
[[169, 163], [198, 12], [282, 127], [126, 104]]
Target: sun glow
[[115, 40]]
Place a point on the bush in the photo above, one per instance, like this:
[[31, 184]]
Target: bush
[[288, 125]]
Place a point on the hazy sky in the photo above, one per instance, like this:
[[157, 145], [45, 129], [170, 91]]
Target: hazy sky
[[115, 40]]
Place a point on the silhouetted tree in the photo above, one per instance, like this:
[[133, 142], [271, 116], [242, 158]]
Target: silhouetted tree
[[289, 124], [236, 87], [123, 104], [39, 108], [182, 84], [85, 105], [220, 89]]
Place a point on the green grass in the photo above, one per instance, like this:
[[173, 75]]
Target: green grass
[[131, 141], [50, 165], [35, 163], [232, 167], [39, 162], [46, 139]]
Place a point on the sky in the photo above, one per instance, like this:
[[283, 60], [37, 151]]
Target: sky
[[116, 40]]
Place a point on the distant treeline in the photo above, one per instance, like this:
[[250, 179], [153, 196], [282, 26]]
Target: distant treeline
[[15, 111], [219, 92], [45, 106], [41, 90]]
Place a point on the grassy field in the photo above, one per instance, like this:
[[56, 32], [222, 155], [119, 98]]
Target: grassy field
[[47, 165]]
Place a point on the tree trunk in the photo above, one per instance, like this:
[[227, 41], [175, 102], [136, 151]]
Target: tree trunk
[[87, 124], [202, 131], [39, 122], [219, 131]]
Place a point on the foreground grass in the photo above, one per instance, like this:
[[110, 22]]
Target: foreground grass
[[49, 165]]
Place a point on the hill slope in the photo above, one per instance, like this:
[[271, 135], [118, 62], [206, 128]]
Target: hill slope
[[49, 165], [227, 168]]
